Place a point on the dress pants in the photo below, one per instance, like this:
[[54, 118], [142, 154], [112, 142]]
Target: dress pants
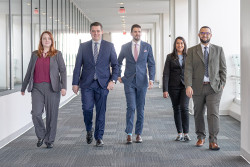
[[94, 95], [212, 100], [180, 102], [44, 97], [135, 97]]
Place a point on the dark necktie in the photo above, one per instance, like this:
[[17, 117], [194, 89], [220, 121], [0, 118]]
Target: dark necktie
[[95, 57], [206, 62]]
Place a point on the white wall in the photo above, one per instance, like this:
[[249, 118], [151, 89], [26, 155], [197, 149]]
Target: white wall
[[15, 117], [245, 80], [225, 24], [181, 19]]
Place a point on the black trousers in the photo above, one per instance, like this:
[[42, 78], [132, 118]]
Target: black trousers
[[180, 103]]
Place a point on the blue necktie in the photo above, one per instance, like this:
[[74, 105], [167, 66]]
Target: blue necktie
[[95, 57], [206, 61]]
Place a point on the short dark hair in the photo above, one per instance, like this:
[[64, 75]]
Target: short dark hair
[[206, 27], [95, 24], [135, 26]]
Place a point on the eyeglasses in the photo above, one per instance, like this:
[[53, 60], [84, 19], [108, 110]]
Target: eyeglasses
[[205, 33]]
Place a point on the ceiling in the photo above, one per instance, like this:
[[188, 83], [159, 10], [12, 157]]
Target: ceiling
[[142, 12]]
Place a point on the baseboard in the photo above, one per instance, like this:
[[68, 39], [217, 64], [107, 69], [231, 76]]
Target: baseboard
[[15, 135], [244, 154]]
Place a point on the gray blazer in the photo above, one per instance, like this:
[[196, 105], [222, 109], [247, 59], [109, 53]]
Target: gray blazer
[[195, 68], [58, 75]]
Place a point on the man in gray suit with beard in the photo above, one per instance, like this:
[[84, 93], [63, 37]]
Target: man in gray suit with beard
[[205, 78]]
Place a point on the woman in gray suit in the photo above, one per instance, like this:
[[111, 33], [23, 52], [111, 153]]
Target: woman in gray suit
[[46, 77], [174, 86]]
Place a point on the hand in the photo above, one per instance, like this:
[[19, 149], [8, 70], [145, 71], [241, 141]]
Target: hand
[[189, 91], [23, 93], [165, 94], [63, 92], [150, 85], [110, 85], [75, 88], [120, 79]]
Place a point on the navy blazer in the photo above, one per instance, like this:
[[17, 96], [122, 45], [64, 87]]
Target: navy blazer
[[137, 68], [85, 66], [173, 73]]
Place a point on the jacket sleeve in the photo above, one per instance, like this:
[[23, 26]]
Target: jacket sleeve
[[223, 68], [78, 65], [151, 64], [188, 72], [114, 64], [166, 73], [120, 60], [27, 75], [62, 70]]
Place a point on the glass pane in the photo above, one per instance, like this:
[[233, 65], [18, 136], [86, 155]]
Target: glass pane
[[26, 34], [49, 15], [43, 15], [35, 23], [16, 42], [4, 39]]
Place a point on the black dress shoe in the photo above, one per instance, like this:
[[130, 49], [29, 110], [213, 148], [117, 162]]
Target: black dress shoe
[[89, 136], [99, 143], [49, 145], [39, 142]]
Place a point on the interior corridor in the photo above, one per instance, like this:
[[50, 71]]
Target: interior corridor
[[158, 147]]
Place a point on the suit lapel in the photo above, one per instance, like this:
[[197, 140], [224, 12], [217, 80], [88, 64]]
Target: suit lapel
[[90, 52], [199, 52], [211, 53], [130, 50]]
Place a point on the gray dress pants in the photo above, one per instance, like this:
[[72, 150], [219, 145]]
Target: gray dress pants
[[211, 100], [44, 97]]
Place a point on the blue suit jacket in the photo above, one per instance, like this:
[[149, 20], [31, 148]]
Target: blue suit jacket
[[85, 62], [137, 69]]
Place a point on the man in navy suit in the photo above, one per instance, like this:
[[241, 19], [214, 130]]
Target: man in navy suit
[[92, 73], [139, 59]]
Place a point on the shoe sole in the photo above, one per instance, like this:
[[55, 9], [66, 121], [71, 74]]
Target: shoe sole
[[129, 142], [138, 141], [101, 145], [214, 149]]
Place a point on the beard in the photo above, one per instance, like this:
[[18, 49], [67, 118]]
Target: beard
[[203, 41]]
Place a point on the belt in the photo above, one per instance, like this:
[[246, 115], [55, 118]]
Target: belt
[[205, 83]]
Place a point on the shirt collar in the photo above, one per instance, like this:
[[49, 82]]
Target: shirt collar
[[138, 43], [203, 46], [99, 42]]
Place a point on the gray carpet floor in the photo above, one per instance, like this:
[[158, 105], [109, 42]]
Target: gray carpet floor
[[158, 147]]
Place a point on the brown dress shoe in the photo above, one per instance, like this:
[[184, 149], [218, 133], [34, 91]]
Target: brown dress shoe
[[214, 146], [129, 139], [138, 139], [200, 142]]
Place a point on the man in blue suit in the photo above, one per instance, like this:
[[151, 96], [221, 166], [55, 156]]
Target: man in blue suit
[[92, 73], [139, 58]]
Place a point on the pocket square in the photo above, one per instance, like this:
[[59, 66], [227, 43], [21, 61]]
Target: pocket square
[[145, 51]]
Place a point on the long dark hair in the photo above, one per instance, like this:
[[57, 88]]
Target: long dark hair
[[174, 53]]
